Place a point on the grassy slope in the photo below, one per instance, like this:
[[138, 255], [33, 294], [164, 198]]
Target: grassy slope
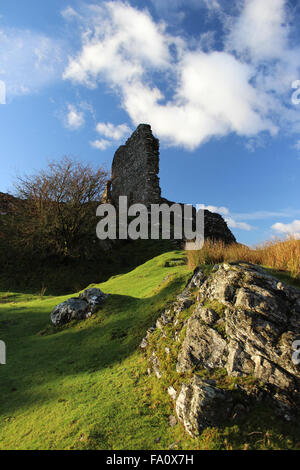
[[86, 386], [57, 390], [56, 277]]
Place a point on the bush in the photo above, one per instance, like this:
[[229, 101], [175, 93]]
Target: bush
[[55, 210]]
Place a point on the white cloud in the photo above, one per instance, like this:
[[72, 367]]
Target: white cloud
[[111, 131], [101, 144], [240, 89], [259, 215], [292, 229], [74, 118], [124, 41], [69, 13], [220, 210], [239, 225], [235, 220], [260, 30], [224, 211], [29, 60], [262, 36], [203, 106]]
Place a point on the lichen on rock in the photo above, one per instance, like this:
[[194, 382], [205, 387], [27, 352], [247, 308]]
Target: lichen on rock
[[78, 308], [238, 320]]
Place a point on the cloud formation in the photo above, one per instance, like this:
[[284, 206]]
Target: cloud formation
[[259, 215], [237, 220], [75, 118], [69, 13], [29, 61], [101, 144], [261, 30], [211, 93], [229, 218], [111, 131], [292, 229]]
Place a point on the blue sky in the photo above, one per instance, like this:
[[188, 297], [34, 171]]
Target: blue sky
[[213, 78]]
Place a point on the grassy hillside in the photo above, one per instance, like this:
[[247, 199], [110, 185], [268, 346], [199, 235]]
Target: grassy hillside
[[70, 389], [56, 276], [85, 386]]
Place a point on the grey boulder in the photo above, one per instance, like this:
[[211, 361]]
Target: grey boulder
[[200, 404], [94, 297], [77, 308]]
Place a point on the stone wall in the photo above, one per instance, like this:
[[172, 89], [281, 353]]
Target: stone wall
[[135, 169], [134, 174]]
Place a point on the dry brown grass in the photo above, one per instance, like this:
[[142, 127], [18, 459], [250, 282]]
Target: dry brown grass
[[276, 254]]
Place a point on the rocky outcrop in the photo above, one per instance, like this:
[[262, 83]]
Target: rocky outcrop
[[78, 308], [215, 228], [202, 344], [239, 323], [261, 321], [200, 404]]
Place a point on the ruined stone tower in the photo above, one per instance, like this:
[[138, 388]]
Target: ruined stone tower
[[134, 174], [135, 169]]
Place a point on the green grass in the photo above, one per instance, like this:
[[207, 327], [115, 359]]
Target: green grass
[[283, 276], [57, 389], [85, 386]]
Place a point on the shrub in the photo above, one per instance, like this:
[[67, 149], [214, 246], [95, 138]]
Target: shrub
[[55, 212]]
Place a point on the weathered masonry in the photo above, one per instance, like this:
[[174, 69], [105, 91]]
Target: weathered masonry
[[135, 169], [134, 174]]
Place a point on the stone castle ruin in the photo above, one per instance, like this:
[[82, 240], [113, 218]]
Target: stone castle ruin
[[135, 168], [134, 173]]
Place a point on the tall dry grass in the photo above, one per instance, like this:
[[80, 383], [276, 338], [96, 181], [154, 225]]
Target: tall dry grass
[[276, 254]]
